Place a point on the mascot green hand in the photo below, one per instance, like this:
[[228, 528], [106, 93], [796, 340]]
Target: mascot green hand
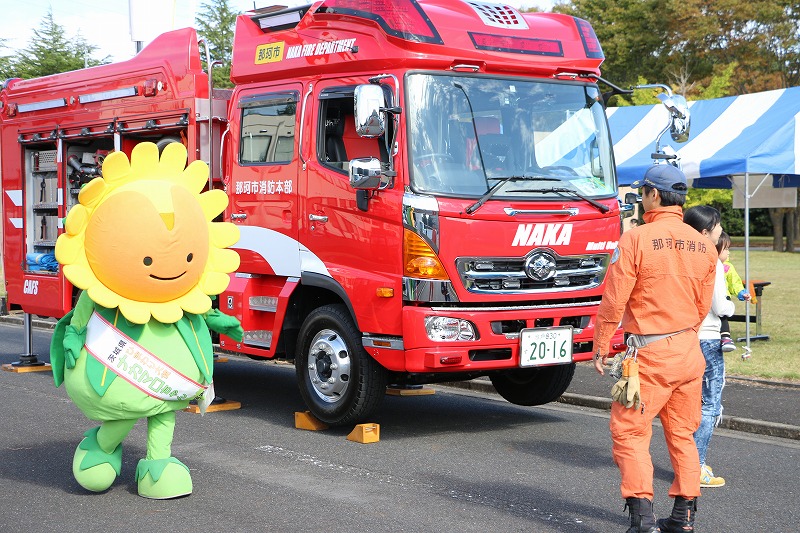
[[142, 246]]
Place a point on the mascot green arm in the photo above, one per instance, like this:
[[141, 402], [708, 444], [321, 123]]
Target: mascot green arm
[[224, 324], [69, 337]]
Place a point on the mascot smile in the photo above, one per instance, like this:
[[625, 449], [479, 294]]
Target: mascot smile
[[142, 245]]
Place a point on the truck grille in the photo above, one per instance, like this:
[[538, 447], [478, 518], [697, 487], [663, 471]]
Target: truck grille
[[540, 271]]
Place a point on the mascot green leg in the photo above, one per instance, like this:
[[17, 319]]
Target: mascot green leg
[[98, 458], [159, 475]]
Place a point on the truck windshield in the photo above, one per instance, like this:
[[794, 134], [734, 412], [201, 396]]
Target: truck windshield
[[467, 134]]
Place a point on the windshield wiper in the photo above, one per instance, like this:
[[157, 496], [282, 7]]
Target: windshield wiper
[[565, 191], [502, 181]]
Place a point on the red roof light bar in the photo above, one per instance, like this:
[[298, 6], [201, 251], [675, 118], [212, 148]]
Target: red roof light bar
[[591, 44], [517, 45], [401, 18]]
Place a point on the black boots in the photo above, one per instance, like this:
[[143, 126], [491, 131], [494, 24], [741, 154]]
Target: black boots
[[642, 518], [682, 518]]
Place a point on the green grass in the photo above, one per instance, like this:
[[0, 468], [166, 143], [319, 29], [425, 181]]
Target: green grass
[[777, 357], [755, 241]]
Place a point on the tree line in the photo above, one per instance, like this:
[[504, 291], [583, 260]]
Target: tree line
[[701, 48]]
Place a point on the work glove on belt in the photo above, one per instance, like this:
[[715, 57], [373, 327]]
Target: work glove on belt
[[626, 391]]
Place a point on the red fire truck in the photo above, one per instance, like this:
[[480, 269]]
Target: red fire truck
[[425, 188]]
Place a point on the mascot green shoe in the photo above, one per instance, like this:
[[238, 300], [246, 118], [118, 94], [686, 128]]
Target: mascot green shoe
[[162, 479], [93, 468], [143, 246]]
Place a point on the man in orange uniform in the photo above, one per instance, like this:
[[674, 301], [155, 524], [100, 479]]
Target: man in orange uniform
[[660, 284]]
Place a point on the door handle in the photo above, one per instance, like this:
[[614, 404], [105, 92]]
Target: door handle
[[318, 218], [238, 216]]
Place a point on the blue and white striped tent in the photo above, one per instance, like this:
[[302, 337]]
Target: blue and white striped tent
[[753, 135], [750, 134]]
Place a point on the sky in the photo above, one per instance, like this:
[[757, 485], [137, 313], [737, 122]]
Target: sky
[[106, 23]]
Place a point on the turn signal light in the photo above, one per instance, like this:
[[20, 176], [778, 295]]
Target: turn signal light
[[419, 259], [384, 292]]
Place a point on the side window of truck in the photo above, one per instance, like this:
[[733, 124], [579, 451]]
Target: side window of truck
[[268, 127], [338, 140]]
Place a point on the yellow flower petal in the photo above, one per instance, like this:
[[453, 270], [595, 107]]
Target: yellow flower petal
[[80, 276], [214, 282], [166, 313], [144, 161], [195, 302], [76, 220], [136, 312], [213, 203], [68, 248], [223, 234], [102, 295], [195, 177], [115, 168], [92, 192], [173, 161], [224, 260]]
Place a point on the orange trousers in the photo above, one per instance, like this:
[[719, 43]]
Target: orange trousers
[[671, 373]]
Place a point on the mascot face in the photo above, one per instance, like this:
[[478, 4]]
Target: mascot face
[[142, 237], [140, 253]]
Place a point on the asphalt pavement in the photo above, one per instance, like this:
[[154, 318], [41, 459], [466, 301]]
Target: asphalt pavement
[[760, 406]]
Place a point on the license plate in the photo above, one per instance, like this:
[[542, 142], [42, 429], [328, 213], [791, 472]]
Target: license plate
[[545, 346]]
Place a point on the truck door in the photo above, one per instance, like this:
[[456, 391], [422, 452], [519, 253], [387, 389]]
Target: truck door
[[335, 229], [263, 179]]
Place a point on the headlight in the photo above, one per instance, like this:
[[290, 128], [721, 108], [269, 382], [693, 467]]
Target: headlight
[[445, 328]]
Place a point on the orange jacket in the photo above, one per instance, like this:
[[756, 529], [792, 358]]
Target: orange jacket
[[660, 280]]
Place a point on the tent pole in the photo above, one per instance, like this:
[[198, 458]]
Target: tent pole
[[747, 256]]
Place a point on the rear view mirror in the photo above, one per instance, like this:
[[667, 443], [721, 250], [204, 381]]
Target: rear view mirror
[[680, 119], [368, 101]]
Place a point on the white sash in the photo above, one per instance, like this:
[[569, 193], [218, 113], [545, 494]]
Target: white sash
[[133, 363]]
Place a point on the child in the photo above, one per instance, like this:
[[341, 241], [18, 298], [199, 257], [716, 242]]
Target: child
[[735, 288]]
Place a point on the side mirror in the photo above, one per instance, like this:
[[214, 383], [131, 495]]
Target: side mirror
[[368, 101], [679, 115], [365, 174], [632, 198], [628, 207]]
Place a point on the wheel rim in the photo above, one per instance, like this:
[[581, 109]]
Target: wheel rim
[[329, 366]]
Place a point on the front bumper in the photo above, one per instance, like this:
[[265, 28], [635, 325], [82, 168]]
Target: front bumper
[[497, 346]]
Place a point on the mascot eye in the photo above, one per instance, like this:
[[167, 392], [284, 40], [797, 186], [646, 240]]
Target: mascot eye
[[189, 258], [147, 261]]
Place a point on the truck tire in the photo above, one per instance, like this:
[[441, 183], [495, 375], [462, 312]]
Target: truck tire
[[533, 386], [340, 383]]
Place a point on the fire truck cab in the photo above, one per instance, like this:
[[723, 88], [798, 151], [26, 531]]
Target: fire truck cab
[[425, 192]]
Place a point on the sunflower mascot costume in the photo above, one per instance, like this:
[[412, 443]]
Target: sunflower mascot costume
[[142, 245]]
